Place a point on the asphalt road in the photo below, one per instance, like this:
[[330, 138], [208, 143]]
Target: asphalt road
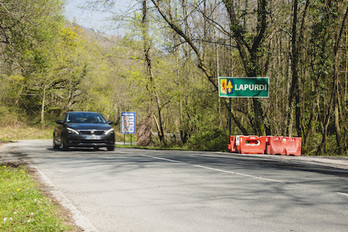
[[147, 190]]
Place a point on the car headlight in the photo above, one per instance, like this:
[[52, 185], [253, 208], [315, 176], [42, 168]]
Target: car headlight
[[109, 131], [72, 131]]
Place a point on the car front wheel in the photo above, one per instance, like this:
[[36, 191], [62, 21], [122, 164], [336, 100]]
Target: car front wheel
[[111, 148], [55, 146], [63, 145]]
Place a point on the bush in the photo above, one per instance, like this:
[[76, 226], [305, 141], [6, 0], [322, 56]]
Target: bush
[[209, 140], [8, 116]]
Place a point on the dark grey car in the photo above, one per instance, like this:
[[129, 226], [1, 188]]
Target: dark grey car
[[83, 129]]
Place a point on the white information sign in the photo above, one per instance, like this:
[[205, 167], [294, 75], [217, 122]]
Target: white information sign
[[127, 122]]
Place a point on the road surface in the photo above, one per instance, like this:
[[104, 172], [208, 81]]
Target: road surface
[[159, 190]]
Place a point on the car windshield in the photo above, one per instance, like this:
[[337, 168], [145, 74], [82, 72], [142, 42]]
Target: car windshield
[[85, 118]]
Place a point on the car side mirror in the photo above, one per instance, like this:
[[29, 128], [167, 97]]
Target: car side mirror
[[109, 122], [59, 122]]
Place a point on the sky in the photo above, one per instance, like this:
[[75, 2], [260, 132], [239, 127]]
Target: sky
[[99, 21]]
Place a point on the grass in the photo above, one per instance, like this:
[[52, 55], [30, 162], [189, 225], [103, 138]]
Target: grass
[[24, 207]]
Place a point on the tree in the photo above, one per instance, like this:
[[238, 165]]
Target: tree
[[171, 21], [27, 34]]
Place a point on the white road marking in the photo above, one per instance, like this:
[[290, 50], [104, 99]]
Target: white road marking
[[215, 169], [165, 159], [238, 173], [344, 194]]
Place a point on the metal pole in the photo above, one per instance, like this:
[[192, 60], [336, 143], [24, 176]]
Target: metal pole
[[255, 109], [230, 117]]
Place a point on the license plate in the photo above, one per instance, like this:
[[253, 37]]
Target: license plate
[[92, 137]]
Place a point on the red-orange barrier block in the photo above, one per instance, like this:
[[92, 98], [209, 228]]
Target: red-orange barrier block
[[253, 144], [238, 137], [293, 146], [276, 145], [232, 145]]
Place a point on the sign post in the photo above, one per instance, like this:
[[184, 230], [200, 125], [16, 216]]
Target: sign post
[[243, 87], [127, 124]]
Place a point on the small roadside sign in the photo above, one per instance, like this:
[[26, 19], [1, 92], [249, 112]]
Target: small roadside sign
[[127, 122], [244, 87]]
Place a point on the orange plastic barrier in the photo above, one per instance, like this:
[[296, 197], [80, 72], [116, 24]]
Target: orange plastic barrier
[[293, 146], [272, 145], [253, 144], [279, 145], [238, 142], [232, 145], [276, 145]]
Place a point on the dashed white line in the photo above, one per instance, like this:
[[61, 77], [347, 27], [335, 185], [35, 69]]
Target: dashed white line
[[215, 169], [165, 159], [344, 194], [238, 173]]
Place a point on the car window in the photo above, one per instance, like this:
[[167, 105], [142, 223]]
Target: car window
[[85, 118]]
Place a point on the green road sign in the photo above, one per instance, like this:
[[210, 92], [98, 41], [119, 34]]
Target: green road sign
[[252, 87]]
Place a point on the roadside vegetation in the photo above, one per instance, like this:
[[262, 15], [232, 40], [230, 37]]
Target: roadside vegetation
[[166, 64], [24, 207], [13, 133]]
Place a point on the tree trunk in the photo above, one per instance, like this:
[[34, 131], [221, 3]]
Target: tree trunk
[[249, 53], [294, 88], [336, 86], [152, 88], [43, 106]]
